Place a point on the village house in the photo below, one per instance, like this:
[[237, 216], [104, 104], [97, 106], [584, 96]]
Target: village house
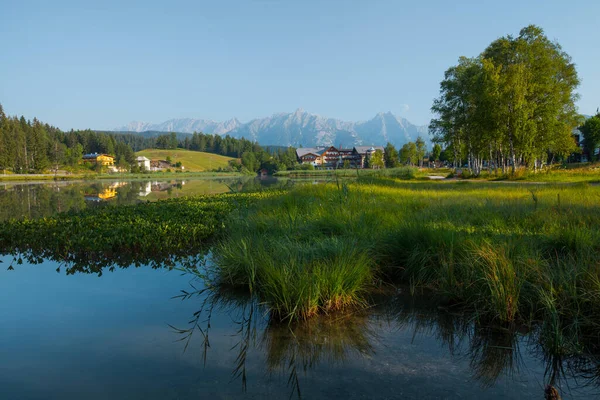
[[102, 159], [143, 163], [331, 157]]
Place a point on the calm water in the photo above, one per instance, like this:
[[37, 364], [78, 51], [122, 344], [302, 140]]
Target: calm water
[[33, 200], [155, 333], [123, 335]]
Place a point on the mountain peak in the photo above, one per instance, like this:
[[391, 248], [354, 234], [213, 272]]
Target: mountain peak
[[298, 127]]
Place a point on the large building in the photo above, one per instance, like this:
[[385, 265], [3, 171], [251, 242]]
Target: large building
[[331, 157], [102, 159]]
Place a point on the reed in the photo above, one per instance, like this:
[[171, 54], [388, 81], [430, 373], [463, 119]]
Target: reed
[[493, 248]]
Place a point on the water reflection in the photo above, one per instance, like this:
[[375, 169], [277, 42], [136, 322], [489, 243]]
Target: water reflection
[[493, 353], [292, 354], [35, 200]]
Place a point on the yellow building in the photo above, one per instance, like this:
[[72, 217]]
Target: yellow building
[[102, 159]]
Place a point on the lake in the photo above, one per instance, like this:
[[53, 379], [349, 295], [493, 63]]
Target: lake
[[159, 333], [41, 199], [126, 335]]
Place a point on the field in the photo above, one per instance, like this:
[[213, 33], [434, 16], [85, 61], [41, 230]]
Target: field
[[193, 161]]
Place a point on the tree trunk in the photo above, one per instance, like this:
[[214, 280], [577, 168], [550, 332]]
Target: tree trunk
[[513, 157]]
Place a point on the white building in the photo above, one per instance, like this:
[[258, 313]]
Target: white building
[[143, 162]]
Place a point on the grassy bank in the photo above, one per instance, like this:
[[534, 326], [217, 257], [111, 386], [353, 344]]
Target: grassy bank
[[508, 253], [570, 173], [93, 176], [399, 173]]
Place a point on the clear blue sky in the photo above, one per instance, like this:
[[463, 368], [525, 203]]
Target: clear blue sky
[[101, 64]]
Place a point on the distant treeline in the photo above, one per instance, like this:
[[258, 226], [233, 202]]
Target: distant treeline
[[253, 156], [32, 146]]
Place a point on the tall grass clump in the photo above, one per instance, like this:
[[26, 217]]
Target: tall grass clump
[[304, 253], [497, 249]]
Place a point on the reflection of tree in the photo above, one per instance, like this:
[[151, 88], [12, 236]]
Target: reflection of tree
[[98, 262], [35, 200]]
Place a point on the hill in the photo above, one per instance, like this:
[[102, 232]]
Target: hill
[[193, 161], [298, 129]]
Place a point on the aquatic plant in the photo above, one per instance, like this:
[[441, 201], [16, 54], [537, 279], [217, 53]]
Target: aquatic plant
[[152, 233]]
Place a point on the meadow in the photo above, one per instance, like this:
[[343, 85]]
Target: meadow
[[193, 161]]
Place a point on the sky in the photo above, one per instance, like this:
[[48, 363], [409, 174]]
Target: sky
[[101, 64]]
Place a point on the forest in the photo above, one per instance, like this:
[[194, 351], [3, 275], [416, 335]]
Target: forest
[[36, 147]]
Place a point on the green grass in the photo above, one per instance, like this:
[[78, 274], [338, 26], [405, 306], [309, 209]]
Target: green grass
[[570, 173], [193, 161], [499, 250], [400, 173]]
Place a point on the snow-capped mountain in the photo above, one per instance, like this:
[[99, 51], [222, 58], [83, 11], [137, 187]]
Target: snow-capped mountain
[[299, 128]]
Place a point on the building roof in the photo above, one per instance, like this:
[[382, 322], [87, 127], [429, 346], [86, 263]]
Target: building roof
[[303, 151], [142, 158], [365, 149], [95, 155]]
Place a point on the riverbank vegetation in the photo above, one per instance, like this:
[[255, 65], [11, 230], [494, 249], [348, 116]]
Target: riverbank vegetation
[[509, 253], [398, 172], [504, 251]]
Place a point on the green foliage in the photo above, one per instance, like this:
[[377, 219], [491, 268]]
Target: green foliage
[[249, 161], [376, 160], [591, 135], [390, 156], [512, 106], [31, 146], [484, 246], [507, 252], [436, 152], [421, 150], [148, 232], [409, 154]]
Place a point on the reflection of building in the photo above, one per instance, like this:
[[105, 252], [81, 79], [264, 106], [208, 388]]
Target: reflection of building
[[143, 162], [106, 193], [102, 159], [146, 189]]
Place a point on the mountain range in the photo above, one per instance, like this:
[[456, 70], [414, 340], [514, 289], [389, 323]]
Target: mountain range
[[297, 129]]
